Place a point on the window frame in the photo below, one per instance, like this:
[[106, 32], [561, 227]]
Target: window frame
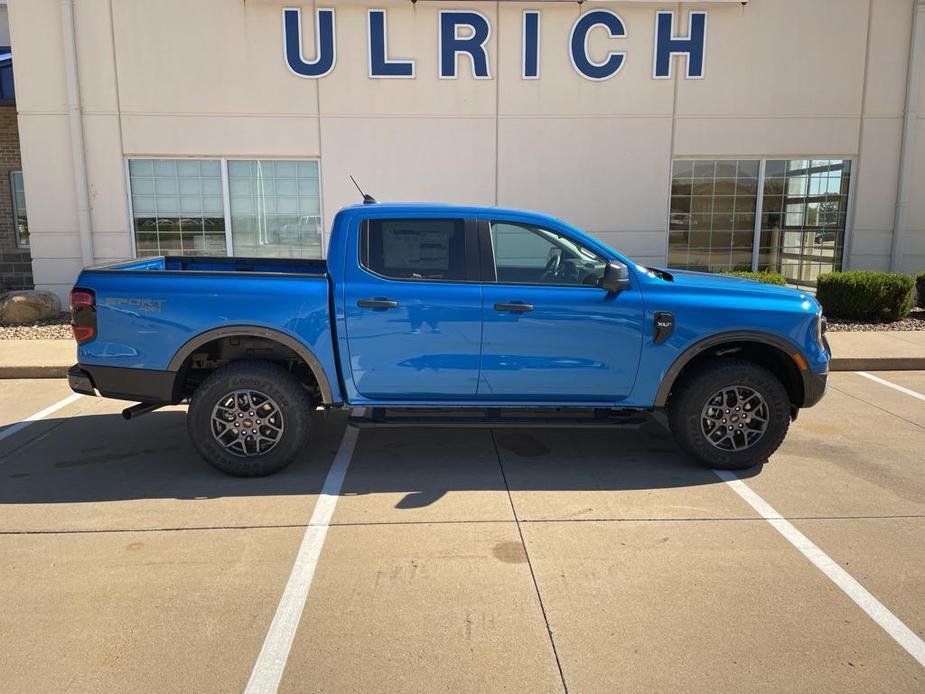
[[226, 193], [15, 207], [487, 254], [471, 250]]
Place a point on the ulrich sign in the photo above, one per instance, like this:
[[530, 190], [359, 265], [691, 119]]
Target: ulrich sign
[[466, 33]]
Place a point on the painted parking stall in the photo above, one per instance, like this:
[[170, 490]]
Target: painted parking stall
[[17, 426], [471, 559], [888, 621], [275, 650]]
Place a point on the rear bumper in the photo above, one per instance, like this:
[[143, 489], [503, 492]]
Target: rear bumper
[[138, 385], [814, 386], [80, 381]]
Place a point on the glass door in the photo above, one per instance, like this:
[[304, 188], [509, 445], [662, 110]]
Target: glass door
[[804, 213]]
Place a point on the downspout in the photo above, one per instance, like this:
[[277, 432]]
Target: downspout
[[906, 157], [75, 119]]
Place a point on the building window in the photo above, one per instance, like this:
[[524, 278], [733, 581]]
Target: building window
[[19, 209], [713, 224], [179, 208], [275, 208], [177, 205]]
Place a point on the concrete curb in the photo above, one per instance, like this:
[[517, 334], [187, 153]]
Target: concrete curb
[[33, 372], [877, 364]]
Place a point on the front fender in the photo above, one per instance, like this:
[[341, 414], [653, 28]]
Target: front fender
[[671, 375]]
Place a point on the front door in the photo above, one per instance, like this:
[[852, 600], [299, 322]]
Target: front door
[[413, 310], [549, 332]]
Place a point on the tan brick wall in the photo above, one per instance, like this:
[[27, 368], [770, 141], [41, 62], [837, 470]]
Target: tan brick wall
[[15, 262]]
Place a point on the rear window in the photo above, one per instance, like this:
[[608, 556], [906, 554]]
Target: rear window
[[422, 249]]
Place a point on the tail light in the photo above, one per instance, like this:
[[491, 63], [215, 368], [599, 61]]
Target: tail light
[[83, 314]]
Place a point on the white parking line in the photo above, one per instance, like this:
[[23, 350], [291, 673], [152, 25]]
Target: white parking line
[[890, 384], [889, 622], [268, 670], [41, 414]]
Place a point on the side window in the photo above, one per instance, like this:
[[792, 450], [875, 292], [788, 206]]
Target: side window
[[526, 254], [415, 249]]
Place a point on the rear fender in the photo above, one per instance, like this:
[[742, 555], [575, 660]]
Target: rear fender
[[300, 349]]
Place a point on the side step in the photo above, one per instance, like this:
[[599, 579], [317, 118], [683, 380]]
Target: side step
[[499, 418]]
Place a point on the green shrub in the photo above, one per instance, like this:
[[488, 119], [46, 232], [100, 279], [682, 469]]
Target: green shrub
[[763, 277], [920, 288], [865, 295]]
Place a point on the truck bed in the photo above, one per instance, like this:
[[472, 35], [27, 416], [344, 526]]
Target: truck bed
[[153, 312], [180, 263]]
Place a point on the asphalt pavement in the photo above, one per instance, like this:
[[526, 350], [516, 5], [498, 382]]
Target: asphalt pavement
[[463, 560]]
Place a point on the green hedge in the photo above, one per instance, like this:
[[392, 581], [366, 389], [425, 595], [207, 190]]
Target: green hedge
[[865, 295], [763, 277], [920, 288]]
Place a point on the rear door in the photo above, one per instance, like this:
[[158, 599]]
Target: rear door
[[549, 332], [413, 309]]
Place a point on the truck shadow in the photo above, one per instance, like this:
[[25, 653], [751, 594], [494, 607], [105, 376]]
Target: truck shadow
[[103, 458]]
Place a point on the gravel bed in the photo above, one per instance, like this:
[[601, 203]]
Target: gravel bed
[[915, 321], [54, 329]]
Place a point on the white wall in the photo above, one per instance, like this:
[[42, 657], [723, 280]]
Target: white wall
[[175, 78], [881, 133], [914, 245]]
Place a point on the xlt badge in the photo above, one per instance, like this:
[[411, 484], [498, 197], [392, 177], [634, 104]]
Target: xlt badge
[[664, 326]]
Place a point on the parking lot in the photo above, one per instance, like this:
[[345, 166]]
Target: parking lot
[[460, 560]]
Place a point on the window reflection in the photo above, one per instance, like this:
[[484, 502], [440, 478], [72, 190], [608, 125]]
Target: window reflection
[[275, 208], [805, 209], [712, 220], [20, 214], [177, 207]]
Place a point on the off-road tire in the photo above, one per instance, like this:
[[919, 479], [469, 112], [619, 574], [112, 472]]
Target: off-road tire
[[688, 400], [270, 379]]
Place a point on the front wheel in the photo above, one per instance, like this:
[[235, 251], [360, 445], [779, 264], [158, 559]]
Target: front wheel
[[249, 418], [730, 414]]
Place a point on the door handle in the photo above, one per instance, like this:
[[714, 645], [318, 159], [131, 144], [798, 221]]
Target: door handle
[[377, 303], [514, 307]]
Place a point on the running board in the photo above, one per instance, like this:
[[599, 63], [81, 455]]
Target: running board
[[495, 418]]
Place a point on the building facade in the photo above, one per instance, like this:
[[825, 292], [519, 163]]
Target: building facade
[[771, 134]]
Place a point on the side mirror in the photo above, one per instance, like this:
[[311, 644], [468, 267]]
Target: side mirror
[[616, 277]]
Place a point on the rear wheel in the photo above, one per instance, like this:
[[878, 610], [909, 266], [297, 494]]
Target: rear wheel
[[730, 414], [249, 418]]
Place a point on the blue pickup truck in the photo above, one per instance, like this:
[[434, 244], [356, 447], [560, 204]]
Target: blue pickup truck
[[437, 315]]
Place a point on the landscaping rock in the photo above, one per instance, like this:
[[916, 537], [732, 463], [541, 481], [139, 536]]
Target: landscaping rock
[[29, 305], [914, 321]]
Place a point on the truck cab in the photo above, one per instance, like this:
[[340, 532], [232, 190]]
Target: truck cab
[[500, 308]]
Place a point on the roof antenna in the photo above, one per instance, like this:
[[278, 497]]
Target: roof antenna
[[367, 199]]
